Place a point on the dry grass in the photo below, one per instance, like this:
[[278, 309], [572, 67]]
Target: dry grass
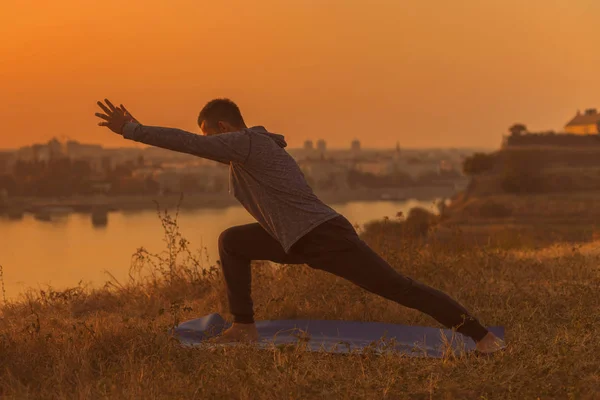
[[525, 221], [535, 169], [113, 342]]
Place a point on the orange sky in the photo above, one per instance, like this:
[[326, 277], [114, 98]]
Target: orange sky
[[435, 73]]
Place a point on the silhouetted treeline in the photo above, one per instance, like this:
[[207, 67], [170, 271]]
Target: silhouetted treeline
[[532, 157], [479, 163], [524, 170], [552, 139]]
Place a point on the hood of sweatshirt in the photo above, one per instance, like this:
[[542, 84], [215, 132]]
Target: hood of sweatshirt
[[279, 139]]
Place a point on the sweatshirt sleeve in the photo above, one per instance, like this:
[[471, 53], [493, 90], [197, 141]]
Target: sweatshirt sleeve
[[224, 147]]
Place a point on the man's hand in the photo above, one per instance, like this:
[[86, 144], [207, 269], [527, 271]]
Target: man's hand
[[114, 117]]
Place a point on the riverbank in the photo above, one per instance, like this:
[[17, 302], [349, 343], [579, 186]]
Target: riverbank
[[40, 206]]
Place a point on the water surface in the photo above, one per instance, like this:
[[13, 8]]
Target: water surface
[[70, 249]]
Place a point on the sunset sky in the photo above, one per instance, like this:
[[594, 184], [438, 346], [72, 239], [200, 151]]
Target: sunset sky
[[424, 73]]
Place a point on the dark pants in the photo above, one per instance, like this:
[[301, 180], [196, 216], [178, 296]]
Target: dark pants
[[334, 247]]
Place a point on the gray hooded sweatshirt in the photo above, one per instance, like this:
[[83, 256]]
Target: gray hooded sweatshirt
[[263, 177]]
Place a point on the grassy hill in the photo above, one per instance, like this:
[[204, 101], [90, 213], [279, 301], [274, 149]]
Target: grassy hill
[[113, 342], [544, 193]]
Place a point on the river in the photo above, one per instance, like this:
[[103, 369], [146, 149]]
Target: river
[[69, 249]]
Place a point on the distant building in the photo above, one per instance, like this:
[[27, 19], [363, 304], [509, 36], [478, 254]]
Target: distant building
[[105, 165], [322, 145], [146, 172], [40, 152], [56, 149], [93, 154], [587, 123], [100, 186], [375, 167], [445, 166], [25, 153], [324, 174], [396, 156], [355, 145], [75, 149], [308, 145], [6, 160]]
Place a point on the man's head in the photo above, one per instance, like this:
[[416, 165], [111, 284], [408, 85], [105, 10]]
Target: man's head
[[220, 116]]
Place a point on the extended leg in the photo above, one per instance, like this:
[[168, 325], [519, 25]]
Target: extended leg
[[334, 247]]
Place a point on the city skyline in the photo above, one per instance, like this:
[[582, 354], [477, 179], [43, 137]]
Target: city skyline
[[300, 146]]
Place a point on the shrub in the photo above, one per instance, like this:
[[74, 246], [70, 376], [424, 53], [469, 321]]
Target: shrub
[[478, 163], [415, 226], [418, 222]]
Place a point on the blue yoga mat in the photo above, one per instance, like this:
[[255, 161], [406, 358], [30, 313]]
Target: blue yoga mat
[[339, 336]]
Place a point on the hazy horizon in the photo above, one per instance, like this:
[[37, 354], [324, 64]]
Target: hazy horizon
[[427, 75], [116, 146]]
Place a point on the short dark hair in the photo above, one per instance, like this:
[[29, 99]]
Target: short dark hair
[[220, 110]]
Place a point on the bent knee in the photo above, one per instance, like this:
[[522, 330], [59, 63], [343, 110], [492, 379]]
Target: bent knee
[[227, 238]]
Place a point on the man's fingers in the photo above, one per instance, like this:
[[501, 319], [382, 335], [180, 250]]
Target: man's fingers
[[128, 114], [113, 108], [105, 117], [126, 111], [103, 123], [104, 108]]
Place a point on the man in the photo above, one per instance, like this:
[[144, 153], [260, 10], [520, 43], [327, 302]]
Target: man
[[294, 226]]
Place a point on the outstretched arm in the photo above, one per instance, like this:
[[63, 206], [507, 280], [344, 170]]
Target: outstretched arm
[[225, 147]]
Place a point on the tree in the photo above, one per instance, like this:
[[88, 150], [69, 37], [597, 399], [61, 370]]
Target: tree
[[517, 129], [478, 163]]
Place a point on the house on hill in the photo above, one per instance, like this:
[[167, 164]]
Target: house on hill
[[587, 123]]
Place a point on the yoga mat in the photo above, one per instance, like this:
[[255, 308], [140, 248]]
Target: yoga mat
[[339, 336]]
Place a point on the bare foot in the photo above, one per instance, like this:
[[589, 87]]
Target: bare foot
[[238, 333], [490, 344]]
